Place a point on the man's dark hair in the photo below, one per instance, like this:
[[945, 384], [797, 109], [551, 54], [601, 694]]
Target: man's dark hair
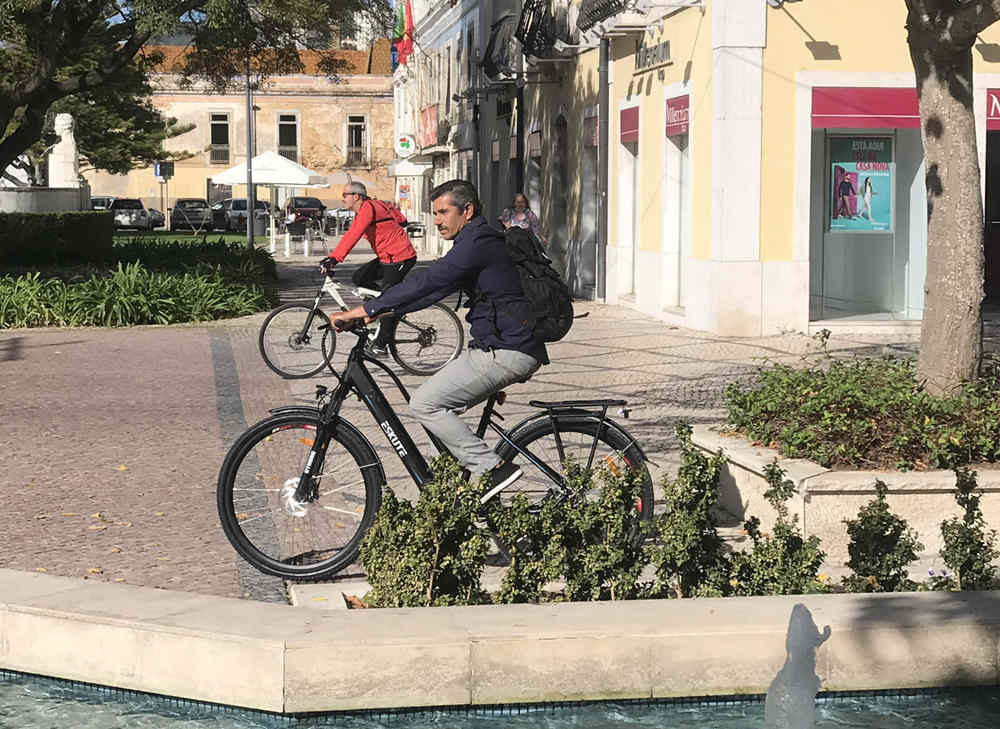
[[461, 193]]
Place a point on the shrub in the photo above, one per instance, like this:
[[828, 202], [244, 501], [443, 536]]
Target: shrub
[[431, 552], [881, 548], [687, 552], [130, 295], [48, 238], [592, 539], [969, 547], [782, 562], [868, 413]]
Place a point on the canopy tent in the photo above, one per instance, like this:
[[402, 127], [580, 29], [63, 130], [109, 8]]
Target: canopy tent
[[270, 168]]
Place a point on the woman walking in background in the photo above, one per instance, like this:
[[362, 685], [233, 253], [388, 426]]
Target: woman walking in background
[[521, 215]]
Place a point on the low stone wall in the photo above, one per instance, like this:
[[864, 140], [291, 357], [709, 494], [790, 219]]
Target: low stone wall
[[825, 498], [286, 659], [44, 199]]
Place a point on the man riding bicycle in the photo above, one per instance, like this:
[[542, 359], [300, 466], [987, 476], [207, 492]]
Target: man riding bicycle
[[382, 225], [504, 347]]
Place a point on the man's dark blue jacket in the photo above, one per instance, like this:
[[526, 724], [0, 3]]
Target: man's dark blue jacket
[[500, 318]]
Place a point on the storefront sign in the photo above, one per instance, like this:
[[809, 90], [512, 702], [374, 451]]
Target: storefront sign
[[848, 107], [428, 126], [405, 145], [993, 109], [648, 57], [862, 177], [677, 115], [628, 122]]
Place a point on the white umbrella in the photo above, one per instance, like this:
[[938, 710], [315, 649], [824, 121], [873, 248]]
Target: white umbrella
[[270, 168]]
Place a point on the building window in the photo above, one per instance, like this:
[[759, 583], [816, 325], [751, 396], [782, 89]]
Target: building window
[[219, 139], [288, 136], [469, 53], [357, 142], [447, 86]]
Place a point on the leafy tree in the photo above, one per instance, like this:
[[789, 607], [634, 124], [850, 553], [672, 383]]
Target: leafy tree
[[940, 34], [116, 127], [50, 50]]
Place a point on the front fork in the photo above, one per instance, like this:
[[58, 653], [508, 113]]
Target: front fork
[[307, 489]]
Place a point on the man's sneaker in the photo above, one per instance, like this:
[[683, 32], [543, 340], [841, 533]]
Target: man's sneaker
[[374, 350], [502, 476]]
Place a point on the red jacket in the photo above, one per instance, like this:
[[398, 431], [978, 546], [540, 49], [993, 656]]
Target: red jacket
[[381, 225]]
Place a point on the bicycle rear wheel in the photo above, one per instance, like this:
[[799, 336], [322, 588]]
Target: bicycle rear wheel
[[575, 441], [427, 340], [270, 457], [291, 350]]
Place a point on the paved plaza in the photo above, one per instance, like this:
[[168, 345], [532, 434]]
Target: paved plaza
[[111, 439]]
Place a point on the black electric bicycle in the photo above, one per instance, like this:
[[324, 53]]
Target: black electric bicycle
[[298, 490]]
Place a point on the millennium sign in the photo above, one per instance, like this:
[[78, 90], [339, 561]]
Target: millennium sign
[[648, 57]]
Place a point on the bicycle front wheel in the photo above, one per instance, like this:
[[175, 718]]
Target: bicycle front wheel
[[577, 437], [320, 539], [427, 340], [290, 348]]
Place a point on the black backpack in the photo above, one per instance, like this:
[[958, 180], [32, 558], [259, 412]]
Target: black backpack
[[543, 286]]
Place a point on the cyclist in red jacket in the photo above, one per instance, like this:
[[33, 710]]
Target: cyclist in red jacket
[[383, 225]]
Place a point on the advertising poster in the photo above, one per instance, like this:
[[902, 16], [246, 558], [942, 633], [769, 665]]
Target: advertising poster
[[862, 172]]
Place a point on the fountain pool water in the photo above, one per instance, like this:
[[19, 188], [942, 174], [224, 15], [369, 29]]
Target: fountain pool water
[[28, 702]]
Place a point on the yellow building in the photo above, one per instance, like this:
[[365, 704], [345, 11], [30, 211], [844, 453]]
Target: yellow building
[[335, 128], [765, 167]]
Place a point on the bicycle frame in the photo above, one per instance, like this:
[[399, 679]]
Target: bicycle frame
[[358, 380]]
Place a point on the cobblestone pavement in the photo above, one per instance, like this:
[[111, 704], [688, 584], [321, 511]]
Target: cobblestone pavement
[[111, 439]]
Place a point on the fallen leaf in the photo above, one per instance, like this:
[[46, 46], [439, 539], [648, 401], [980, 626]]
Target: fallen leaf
[[119, 579], [115, 548], [96, 516], [123, 523], [320, 599], [121, 468], [69, 513], [40, 569], [354, 602], [97, 527], [42, 516], [94, 570], [164, 559], [160, 513]]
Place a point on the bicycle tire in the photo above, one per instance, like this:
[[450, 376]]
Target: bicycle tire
[[271, 455], [427, 340], [284, 354], [536, 485]]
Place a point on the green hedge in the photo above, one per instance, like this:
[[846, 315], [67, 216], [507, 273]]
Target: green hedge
[[49, 238], [130, 295]]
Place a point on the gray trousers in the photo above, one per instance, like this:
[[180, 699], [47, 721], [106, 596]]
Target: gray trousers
[[464, 382]]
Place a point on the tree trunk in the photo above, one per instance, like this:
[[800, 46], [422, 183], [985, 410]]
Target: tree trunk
[[951, 335]]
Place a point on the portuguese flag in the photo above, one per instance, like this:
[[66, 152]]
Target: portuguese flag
[[402, 34]]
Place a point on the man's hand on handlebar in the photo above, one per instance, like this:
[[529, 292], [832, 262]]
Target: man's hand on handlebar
[[326, 265], [347, 319]]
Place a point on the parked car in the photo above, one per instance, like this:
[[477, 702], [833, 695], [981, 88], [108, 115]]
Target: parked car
[[100, 202], [129, 213], [304, 207], [338, 220], [231, 213], [156, 218], [192, 213]]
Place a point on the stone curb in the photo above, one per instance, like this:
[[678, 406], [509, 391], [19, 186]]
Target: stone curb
[[282, 659]]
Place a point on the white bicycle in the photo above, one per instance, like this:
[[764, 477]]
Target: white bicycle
[[297, 340]]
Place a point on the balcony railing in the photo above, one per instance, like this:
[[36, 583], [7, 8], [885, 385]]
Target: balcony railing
[[218, 154], [289, 152], [356, 157]]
